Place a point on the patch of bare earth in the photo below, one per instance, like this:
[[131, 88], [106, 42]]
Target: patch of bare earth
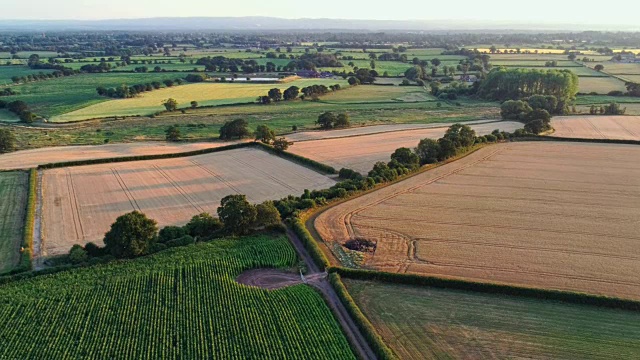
[[360, 153], [80, 203], [597, 127], [542, 214]]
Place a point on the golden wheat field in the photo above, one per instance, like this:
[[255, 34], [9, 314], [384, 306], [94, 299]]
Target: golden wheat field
[[80, 203], [205, 93], [361, 152], [597, 127], [542, 214]]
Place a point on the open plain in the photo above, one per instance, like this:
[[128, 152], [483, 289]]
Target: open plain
[[361, 152], [597, 127], [541, 214], [80, 203]]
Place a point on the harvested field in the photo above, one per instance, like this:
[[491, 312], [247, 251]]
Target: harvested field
[[597, 127], [428, 323], [82, 202], [373, 129], [360, 153], [540, 214], [13, 204], [26, 159]]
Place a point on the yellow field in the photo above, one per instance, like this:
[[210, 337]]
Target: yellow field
[[208, 93], [600, 85]]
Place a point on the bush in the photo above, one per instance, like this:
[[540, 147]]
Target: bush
[[77, 254], [171, 232], [203, 226], [94, 250], [183, 241], [347, 174]]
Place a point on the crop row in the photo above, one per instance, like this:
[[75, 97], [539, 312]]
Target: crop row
[[181, 303]]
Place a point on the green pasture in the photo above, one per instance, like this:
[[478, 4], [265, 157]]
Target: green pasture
[[13, 203], [430, 323]]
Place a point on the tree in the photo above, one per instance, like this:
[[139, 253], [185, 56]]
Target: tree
[[545, 102], [27, 117], [598, 67], [291, 93], [194, 104], [633, 89], [169, 233], [353, 81], [170, 104], [436, 62], [275, 94], [281, 144], [342, 120], [203, 225], [7, 141], [173, 133], [460, 135], [267, 214], [447, 149], [414, 73], [515, 110], [264, 134], [235, 129], [535, 126], [237, 214], [326, 120], [406, 157], [428, 150], [130, 235]]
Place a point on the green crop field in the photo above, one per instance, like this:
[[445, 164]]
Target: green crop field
[[13, 203], [182, 303], [205, 93], [429, 323], [58, 96], [7, 72]]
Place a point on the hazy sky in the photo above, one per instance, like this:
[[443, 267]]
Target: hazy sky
[[516, 11]]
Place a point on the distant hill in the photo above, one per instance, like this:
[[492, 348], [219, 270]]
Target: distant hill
[[275, 24]]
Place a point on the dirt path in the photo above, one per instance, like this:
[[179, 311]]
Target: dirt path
[[37, 231], [275, 279]]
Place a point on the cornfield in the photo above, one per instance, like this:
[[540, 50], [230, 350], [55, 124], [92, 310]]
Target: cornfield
[[182, 303]]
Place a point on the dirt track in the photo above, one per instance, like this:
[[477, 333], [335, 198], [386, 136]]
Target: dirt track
[[360, 153], [31, 158], [597, 127], [542, 214]]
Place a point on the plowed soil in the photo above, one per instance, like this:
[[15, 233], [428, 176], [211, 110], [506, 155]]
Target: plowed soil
[[80, 203], [360, 153], [543, 214]]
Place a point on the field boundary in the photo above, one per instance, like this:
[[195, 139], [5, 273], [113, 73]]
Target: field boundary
[[301, 160], [367, 329], [491, 288]]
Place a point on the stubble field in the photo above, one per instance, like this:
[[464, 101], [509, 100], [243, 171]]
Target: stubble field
[[597, 127], [360, 153], [540, 214], [13, 203], [80, 203]]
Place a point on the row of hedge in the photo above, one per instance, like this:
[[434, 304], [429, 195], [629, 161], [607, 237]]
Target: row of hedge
[[298, 159], [511, 290], [309, 243], [374, 340], [144, 157]]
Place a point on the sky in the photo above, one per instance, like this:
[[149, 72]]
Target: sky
[[538, 11]]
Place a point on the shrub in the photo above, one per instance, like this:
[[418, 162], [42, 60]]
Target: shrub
[[171, 232], [77, 254], [183, 241]]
